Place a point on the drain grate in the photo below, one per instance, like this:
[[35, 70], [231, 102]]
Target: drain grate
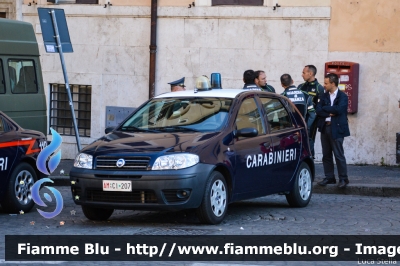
[[174, 232]]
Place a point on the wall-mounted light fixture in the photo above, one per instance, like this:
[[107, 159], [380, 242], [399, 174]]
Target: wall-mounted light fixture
[[108, 4]]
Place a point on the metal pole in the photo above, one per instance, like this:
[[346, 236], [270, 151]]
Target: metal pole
[[53, 16]]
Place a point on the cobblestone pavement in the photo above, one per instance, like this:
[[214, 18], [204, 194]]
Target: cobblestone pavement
[[325, 215]]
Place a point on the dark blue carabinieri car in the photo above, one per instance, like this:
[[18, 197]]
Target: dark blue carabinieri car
[[200, 150], [19, 149]]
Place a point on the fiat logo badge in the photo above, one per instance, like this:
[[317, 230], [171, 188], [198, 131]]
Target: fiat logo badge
[[120, 163]]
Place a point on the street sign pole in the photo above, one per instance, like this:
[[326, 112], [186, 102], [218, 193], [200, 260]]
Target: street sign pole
[[60, 51]]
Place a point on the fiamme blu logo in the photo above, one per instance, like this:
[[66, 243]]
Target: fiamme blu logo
[[47, 161]]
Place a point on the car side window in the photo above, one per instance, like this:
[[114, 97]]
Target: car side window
[[22, 76], [277, 116], [2, 81], [249, 116]]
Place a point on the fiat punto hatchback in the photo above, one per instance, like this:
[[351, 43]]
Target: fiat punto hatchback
[[197, 150]]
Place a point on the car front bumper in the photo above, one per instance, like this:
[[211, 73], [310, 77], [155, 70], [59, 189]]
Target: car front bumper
[[151, 190]]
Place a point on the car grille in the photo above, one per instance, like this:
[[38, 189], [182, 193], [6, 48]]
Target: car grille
[[136, 196], [131, 163], [118, 176]]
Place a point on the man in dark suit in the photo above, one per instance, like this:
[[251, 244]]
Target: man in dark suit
[[333, 125]]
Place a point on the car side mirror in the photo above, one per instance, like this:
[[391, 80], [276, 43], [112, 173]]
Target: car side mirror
[[109, 129], [228, 139], [247, 132]]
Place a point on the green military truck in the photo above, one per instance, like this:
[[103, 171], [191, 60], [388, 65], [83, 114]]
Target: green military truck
[[21, 84]]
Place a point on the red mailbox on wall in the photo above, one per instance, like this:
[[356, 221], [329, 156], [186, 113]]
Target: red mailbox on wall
[[348, 73]]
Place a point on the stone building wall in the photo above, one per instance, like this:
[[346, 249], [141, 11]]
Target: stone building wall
[[111, 53]]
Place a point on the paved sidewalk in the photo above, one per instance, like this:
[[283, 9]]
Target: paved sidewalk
[[368, 180]]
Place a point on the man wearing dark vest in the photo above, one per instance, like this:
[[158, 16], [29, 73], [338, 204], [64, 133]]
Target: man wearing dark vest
[[333, 125], [248, 79], [261, 81], [300, 99], [315, 90]]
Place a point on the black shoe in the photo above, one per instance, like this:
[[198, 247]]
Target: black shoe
[[327, 181], [343, 183]]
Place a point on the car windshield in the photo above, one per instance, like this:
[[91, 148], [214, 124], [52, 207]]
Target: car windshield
[[180, 114]]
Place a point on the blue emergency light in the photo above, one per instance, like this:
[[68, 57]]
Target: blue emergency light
[[216, 81]]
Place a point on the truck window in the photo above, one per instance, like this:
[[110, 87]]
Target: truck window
[[1, 126], [22, 76], [2, 81]]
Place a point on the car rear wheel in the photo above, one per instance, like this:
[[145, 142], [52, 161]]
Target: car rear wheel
[[302, 190], [97, 214], [215, 200], [18, 196]]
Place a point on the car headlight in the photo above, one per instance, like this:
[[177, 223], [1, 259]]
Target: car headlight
[[178, 161], [83, 160]]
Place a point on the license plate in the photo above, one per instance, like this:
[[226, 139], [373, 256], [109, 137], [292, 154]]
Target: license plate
[[115, 185]]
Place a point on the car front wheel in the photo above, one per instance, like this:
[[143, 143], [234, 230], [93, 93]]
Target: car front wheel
[[302, 190], [215, 200], [18, 195]]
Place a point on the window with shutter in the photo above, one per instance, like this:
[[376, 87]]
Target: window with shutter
[[95, 2], [87, 1], [60, 112], [238, 2]]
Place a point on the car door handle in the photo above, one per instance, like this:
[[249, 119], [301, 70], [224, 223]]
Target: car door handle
[[267, 145]]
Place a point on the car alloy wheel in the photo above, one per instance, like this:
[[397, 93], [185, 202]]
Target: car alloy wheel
[[22, 187], [18, 194]]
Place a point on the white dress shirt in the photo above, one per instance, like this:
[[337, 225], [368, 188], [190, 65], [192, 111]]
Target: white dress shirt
[[333, 97]]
